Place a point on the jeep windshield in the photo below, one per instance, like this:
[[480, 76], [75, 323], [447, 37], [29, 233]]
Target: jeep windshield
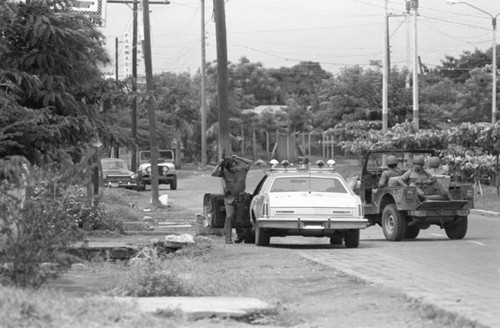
[[163, 155]]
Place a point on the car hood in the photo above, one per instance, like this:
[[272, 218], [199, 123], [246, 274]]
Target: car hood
[[117, 172], [314, 199]]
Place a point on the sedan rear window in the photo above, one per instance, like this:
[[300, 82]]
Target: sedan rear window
[[297, 184]]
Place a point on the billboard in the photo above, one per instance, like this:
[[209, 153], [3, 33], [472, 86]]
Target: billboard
[[95, 9]]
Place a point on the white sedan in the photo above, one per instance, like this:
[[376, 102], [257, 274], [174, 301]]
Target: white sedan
[[306, 201]]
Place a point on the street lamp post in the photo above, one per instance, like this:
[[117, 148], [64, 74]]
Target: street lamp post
[[494, 59]]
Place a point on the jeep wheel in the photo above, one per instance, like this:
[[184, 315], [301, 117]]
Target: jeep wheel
[[173, 184], [393, 223], [262, 237], [457, 229], [351, 238], [412, 232]]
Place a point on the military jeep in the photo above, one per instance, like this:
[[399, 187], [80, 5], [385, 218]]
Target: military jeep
[[401, 211]]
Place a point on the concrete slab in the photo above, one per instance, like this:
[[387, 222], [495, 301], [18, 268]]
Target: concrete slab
[[202, 307]]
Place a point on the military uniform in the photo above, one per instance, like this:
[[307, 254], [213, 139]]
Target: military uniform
[[387, 174]]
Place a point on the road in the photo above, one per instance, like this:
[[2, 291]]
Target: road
[[460, 276]]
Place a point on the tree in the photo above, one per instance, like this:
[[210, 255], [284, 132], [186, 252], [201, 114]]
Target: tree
[[49, 59]]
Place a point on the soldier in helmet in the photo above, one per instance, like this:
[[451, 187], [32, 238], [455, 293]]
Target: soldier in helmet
[[392, 171], [417, 177], [435, 166]]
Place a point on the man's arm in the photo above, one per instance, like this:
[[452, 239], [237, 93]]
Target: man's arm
[[247, 162], [217, 171]]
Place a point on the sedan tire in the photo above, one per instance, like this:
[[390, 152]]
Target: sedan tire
[[262, 237], [351, 238]]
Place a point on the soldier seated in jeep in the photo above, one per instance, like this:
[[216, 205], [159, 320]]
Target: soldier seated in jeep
[[418, 177], [392, 172]]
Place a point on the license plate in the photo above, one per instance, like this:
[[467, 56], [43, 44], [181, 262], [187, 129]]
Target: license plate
[[113, 185]]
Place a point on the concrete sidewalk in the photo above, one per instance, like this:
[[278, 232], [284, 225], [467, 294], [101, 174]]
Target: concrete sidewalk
[[193, 308]]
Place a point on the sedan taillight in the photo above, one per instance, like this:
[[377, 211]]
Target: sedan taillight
[[265, 209]]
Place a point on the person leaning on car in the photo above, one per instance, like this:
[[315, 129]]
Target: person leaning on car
[[392, 171], [233, 172]]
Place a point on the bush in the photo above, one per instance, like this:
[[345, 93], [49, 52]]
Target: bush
[[43, 211], [35, 228]]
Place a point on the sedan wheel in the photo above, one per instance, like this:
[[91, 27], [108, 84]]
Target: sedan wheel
[[351, 238], [262, 237]]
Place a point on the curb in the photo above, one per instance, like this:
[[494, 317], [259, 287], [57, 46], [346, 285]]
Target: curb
[[485, 213]]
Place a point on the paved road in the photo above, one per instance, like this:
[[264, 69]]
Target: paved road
[[460, 276]]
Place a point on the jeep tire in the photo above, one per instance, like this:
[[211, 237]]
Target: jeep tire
[[393, 223], [457, 229]]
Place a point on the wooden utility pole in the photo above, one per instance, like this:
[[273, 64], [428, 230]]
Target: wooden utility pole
[[414, 5], [222, 77], [385, 72], [116, 59], [203, 108], [153, 141], [133, 165]]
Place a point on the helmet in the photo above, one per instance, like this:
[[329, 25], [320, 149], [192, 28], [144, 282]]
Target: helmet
[[419, 160], [434, 162], [392, 160]]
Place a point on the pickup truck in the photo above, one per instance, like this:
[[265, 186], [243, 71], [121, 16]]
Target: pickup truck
[[400, 211]]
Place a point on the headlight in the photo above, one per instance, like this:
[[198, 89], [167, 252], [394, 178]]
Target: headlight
[[148, 169], [165, 170], [133, 175]]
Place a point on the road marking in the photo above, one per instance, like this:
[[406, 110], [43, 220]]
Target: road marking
[[476, 242], [436, 234]]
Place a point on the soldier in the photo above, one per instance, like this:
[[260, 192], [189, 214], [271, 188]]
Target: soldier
[[392, 171], [417, 177], [233, 172], [435, 166]]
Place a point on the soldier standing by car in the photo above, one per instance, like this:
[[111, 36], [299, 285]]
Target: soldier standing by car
[[233, 172]]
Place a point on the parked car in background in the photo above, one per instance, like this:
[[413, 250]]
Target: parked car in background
[[116, 174]]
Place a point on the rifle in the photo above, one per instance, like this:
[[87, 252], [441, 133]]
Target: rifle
[[223, 166]]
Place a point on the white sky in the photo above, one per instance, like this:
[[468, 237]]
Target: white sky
[[335, 33]]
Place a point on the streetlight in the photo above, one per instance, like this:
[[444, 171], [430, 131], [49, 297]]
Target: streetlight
[[494, 59]]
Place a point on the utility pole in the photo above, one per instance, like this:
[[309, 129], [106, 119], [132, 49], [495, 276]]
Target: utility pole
[[385, 73], [222, 77], [153, 141], [133, 164], [203, 108], [116, 59], [414, 5]]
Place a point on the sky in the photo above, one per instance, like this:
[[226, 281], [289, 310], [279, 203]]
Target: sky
[[277, 33]]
